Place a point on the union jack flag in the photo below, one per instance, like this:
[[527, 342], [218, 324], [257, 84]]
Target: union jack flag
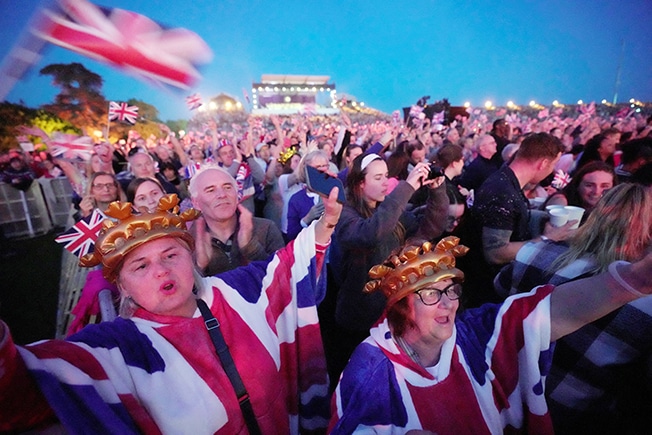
[[415, 111], [560, 180], [70, 146], [80, 238], [438, 118], [193, 101], [123, 112], [126, 40]]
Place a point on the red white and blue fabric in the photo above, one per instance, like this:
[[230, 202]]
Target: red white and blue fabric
[[194, 101], [80, 238], [489, 379], [125, 40], [245, 182], [416, 111], [70, 146], [560, 180], [160, 374], [191, 169], [123, 112]]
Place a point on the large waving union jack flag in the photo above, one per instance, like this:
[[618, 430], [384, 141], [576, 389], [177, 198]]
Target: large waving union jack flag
[[80, 238], [123, 112], [126, 40]]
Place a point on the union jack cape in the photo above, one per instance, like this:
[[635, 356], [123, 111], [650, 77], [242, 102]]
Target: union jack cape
[[489, 378], [123, 112], [160, 374]]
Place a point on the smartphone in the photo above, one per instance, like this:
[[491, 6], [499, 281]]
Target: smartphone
[[322, 183]]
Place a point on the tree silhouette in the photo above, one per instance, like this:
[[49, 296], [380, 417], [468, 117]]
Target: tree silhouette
[[80, 101]]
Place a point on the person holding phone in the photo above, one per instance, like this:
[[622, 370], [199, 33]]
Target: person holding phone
[[373, 224], [305, 206]]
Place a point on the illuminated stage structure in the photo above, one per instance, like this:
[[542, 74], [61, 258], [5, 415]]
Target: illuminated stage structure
[[289, 94]]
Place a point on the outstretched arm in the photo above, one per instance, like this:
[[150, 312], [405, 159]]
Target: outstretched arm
[[576, 303]]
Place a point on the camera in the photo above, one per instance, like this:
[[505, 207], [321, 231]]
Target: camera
[[435, 171]]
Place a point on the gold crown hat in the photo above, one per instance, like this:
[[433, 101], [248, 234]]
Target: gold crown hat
[[117, 239], [415, 267], [287, 155]]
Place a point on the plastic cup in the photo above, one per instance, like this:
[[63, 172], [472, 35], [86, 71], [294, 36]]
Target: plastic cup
[[558, 216], [574, 213], [552, 207]]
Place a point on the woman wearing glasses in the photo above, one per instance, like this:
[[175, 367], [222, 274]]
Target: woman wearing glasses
[[102, 189], [428, 369]]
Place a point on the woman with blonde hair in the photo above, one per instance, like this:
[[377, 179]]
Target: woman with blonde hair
[[585, 386]]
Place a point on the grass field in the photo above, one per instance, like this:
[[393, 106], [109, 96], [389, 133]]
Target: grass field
[[29, 288]]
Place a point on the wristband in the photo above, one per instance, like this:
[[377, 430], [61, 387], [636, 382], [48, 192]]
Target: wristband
[[613, 271]]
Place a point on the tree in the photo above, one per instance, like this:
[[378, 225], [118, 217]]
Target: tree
[[80, 101], [145, 111]]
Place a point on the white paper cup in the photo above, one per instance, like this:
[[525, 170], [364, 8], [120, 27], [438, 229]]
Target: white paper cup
[[558, 216], [552, 207], [574, 213]]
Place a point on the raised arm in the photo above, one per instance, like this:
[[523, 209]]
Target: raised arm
[[576, 303]]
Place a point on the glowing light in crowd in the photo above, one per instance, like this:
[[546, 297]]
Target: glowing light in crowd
[[212, 105], [467, 104], [555, 103], [511, 104], [580, 102], [488, 104], [604, 101], [228, 105], [533, 103]]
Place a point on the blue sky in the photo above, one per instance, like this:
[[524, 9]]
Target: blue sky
[[387, 53]]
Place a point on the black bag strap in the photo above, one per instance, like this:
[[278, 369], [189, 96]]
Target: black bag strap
[[222, 350]]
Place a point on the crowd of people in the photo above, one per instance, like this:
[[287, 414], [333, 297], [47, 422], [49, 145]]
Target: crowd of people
[[440, 297]]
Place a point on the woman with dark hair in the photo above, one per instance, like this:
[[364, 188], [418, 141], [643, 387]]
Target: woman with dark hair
[[450, 158], [145, 192], [600, 147], [586, 187], [397, 169], [373, 224]]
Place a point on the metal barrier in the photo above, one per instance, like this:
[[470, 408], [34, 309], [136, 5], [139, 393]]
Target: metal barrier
[[45, 205]]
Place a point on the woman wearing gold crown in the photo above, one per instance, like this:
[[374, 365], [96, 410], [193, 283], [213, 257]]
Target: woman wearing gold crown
[[155, 369], [428, 369]]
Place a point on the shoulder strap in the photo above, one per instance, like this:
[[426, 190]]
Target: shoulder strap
[[222, 350]]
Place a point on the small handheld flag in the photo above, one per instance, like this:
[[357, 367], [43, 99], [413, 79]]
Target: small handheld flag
[[80, 238]]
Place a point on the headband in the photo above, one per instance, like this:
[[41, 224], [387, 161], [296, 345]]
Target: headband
[[366, 160]]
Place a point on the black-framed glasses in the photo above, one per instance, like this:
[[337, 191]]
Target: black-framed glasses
[[432, 296]]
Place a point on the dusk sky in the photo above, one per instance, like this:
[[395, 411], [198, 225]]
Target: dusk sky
[[386, 53]]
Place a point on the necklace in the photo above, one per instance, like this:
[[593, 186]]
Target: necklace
[[414, 356]]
